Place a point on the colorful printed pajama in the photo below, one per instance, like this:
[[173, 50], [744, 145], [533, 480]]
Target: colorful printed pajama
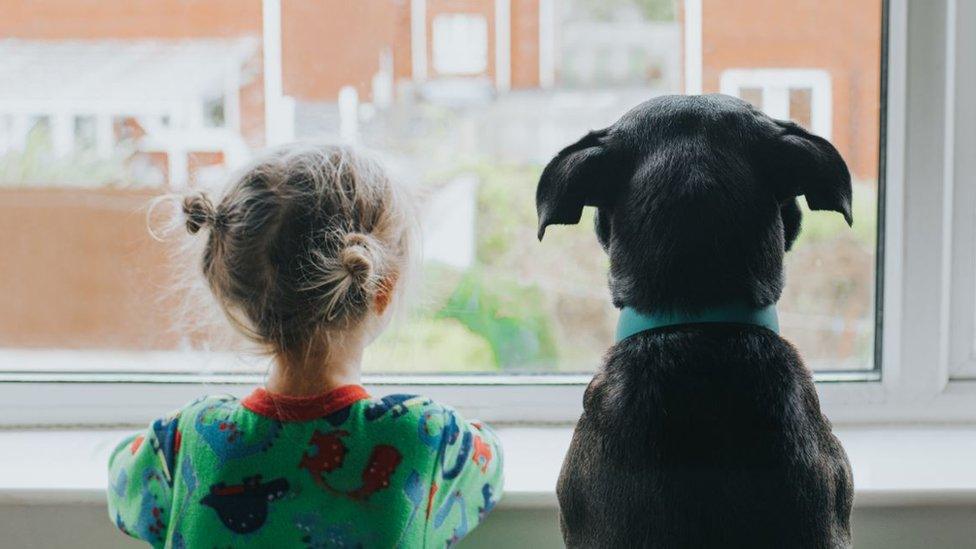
[[339, 470]]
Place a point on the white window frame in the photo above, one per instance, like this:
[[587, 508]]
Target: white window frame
[[960, 165], [928, 272], [776, 85], [459, 44]]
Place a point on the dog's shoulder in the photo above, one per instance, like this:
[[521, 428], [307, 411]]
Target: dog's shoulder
[[693, 370]]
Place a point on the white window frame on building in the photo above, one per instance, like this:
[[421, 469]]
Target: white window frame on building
[[776, 85], [459, 44]]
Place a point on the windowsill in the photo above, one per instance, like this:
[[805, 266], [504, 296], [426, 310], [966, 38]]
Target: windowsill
[[892, 466]]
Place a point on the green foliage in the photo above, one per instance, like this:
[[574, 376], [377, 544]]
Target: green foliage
[[506, 211], [824, 226], [652, 10], [37, 165], [429, 345], [516, 267], [509, 316]]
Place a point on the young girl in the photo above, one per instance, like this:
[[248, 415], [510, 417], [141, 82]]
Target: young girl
[[304, 254]]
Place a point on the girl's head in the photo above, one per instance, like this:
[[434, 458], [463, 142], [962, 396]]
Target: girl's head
[[306, 245]]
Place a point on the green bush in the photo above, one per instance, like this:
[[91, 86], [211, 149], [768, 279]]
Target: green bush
[[509, 316], [429, 345], [37, 165]]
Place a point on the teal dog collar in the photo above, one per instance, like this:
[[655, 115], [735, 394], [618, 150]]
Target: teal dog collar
[[632, 322]]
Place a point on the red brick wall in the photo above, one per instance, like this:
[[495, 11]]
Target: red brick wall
[[402, 45], [89, 19], [251, 99], [840, 36], [81, 271], [327, 44]]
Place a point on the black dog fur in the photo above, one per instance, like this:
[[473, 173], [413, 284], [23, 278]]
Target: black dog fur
[[700, 435]]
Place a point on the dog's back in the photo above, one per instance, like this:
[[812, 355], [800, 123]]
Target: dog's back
[[700, 435], [704, 436]]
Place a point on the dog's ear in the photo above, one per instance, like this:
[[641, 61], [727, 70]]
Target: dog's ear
[[800, 163], [580, 175]]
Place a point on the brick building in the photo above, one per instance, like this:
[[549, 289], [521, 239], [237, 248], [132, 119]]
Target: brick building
[[814, 61], [287, 51]]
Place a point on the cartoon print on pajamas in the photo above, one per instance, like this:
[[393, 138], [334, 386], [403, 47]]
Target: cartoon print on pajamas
[[461, 529], [338, 417], [120, 524], [447, 436], [380, 467], [165, 442], [150, 523], [243, 508], [328, 455], [222, 435], [413, 488], [481, 454], [189, 479], [397, 404], [487, 493], [120, 484]]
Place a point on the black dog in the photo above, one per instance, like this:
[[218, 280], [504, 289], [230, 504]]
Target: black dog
[[701, 434]]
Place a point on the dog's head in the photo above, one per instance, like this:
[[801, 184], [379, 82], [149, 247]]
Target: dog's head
[[696, 199]]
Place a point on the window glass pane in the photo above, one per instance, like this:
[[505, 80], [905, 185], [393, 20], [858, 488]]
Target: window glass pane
[[107, 106], [801, 106], [460, 44], [752, 95], [84, 133]]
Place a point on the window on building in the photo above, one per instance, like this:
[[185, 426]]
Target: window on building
[[85, 288], [460, 44], [85, 138], [803, 95], [801, 106], [213, 110], [752, 95]]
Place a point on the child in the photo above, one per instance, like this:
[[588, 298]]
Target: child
[[304, 254]]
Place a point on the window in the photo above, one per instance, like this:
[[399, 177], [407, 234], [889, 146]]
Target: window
[[801, 95], [188, 108], [84, 133], [178, 103], [460, 44]]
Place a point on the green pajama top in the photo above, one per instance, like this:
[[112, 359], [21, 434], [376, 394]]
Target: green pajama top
[[338, 470]]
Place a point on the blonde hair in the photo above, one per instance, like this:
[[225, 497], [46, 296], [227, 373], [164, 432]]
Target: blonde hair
[[300, 244]]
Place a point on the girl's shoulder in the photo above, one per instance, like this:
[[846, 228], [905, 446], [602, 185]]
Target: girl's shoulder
[[396, 406], [412, 409], [208, 405], [421, 419], [209, 402]]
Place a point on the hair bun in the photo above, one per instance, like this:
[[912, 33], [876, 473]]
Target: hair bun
[[199, 211], [356, 257]]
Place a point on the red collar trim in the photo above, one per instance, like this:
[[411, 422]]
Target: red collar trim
[[292, 408]]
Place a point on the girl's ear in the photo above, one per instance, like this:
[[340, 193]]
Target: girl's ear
[[580, 175], [800, 163], [384, 296]]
